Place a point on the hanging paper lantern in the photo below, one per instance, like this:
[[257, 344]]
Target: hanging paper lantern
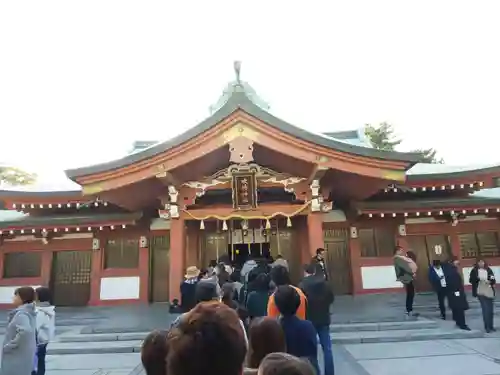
[[224, 225], [202, 224], [288, 222], [268, 224]]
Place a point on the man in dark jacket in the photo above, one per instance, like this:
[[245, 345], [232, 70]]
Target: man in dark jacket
[[438, 281], [319, 259], [457, 298], [319, 298]]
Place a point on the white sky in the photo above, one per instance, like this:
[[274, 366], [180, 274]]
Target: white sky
[[81, 80]]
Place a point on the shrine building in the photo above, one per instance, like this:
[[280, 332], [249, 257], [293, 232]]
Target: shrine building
[[243, 182]]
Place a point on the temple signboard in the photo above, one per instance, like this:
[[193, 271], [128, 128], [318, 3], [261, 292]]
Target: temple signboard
[[244, 191]]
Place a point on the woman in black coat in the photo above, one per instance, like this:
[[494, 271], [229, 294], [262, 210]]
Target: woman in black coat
[[483, 282], [456, 293]]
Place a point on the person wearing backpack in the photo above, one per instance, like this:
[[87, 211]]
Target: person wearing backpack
[[45, 327]]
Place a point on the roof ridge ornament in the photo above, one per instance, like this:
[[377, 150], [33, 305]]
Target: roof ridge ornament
[[240, 88], [237, 71]]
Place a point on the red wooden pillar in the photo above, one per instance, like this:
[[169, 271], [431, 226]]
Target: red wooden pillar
[[315, 232], [455, 243], [144, 274], [95, 273], [46, 267], [177, 253], [355, 254]]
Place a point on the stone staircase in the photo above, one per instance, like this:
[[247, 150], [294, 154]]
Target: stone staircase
[[104, 340]]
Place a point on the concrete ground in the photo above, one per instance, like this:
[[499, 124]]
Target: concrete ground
[[370, 336]]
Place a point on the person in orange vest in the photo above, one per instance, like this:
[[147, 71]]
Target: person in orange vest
[[280, 276]]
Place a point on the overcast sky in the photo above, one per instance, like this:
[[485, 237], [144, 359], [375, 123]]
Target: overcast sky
[[81, 80]]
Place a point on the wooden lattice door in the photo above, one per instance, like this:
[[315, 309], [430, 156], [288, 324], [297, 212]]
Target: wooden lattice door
[[214, 246], [159, 268], [70, 281], [418, 245], [337, 260]]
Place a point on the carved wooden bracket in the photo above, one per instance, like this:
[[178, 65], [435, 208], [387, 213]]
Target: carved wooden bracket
[[241, 150], [170, 204], [300, 190], [200, 187], [317, 199]]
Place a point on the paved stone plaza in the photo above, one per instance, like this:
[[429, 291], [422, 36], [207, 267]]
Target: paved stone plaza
[[370, 335]]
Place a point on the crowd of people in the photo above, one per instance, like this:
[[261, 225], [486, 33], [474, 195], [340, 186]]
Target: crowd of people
[[273, 316], [248, 320], [447, 281]]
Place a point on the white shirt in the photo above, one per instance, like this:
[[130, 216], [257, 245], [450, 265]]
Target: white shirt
[[440, 273], [482, 274]]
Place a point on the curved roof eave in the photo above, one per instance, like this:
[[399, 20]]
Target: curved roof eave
[[54, 193], [239, 100], [451, 173]]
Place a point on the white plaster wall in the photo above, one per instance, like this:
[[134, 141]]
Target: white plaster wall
[[113, 288], [7, 292], [466, 273], [379, 277]]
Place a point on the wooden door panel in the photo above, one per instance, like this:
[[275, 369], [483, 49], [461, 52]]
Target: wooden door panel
[[160, 275], [418, 245], [440, 241], [337, 260], [159, 252], [70, 279], [213, 246], [288, 248]]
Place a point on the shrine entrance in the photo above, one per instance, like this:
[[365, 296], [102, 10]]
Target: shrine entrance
[[244, 239], [240, 253]]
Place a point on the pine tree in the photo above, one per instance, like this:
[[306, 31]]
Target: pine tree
[[15, 176], [382, 136], [429, 155]]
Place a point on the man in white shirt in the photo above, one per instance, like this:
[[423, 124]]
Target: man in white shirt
[[438, 281]]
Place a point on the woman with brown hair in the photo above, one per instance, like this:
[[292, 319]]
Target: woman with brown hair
[[285, 364], [154, 353], [265, 336], [483, 282], [209, 339]]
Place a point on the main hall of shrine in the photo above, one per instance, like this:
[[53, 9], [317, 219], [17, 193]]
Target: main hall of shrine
[[243, 183]]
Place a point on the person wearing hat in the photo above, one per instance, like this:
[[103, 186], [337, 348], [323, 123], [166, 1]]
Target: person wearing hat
[[188, 288]]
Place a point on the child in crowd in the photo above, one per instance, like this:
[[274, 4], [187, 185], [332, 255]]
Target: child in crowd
[[45, 327]]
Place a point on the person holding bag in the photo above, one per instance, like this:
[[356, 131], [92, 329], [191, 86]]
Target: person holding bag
[[483, 280]]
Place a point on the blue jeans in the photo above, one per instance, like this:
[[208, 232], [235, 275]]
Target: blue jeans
[[326, 345], [40, 354]]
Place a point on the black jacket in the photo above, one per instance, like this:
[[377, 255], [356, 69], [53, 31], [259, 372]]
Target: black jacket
[[320, 264], [474, 279], [455, 288], [319, 298], [188, 295]]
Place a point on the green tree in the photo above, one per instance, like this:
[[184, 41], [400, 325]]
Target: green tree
[[429, 155], [382, 136], [15, 176]]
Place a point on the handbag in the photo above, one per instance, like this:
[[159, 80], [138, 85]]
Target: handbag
[[484, 289]]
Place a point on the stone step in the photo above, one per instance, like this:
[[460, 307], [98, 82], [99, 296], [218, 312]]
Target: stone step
[[384, 326], [95, 347], [126, 343], [403, 335], [350, 327], [118, 330], [103, 337]]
